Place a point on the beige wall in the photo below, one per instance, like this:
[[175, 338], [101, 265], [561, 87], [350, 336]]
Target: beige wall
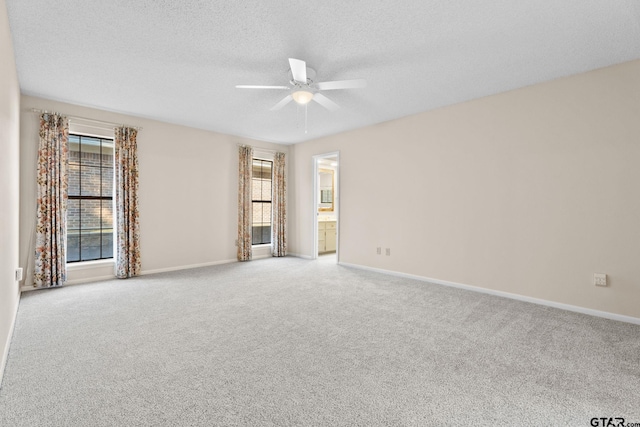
[[528, 192], [9, 176], [188, 190]]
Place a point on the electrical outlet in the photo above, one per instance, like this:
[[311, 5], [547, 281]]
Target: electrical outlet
[[379, 250], [599, 279], [236, 242], [18, 274], [388, 251]]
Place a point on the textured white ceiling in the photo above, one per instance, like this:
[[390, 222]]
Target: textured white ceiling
[[179, 61]]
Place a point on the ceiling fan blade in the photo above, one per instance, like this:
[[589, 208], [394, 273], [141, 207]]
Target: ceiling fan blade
[[342, 84], [298, 70], [325, 102], [287, 99], [261, 87]]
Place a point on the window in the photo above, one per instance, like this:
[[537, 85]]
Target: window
[[261, 198], [90, 204]]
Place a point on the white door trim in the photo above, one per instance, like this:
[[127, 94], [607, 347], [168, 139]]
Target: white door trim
[[336, 154]]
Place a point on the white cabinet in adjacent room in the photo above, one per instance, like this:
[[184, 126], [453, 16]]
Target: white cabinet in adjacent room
[[326, 236]]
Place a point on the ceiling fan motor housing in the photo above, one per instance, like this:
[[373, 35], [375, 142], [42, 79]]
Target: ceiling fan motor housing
[[311, 75]]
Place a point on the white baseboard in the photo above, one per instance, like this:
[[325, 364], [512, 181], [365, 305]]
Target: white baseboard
[[142, 273], [300, 256], [562, 306], [89, 280], [7, 344], [186, 267], [73, 282]]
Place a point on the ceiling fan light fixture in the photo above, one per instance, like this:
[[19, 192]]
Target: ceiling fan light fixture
[[302, 96]]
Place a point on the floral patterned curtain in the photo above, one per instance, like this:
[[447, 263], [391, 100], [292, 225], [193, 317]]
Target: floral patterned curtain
[[279, 204], [51, 230], [126, 183], [245, 155]]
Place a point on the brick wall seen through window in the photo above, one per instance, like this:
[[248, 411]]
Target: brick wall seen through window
[[90, 204], [261, 197]]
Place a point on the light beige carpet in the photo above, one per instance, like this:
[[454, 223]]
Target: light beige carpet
[[295, 342]]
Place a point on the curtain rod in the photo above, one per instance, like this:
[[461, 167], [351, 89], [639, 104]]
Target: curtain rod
[[36, 110], [268, 150]]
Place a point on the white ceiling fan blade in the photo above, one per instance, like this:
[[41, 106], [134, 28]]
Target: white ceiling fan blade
[[298, 70], [342, 84], [261, 87], [287, 99], [325, 102]]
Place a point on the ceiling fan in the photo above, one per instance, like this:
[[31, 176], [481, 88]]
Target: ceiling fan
[[303, 89]]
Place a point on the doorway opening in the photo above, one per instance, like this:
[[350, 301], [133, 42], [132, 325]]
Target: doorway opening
[[326, 206]]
